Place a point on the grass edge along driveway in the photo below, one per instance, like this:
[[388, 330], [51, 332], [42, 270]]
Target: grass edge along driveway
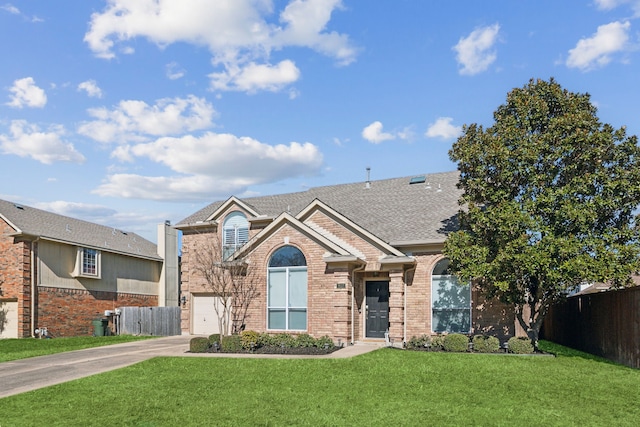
[[386, 387]]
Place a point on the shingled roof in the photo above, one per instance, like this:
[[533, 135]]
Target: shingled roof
[[395, 210], [32, 222]]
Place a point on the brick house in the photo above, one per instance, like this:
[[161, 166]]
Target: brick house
[[356, 262], [60, 273]]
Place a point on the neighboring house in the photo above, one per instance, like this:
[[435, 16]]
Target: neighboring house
[[60, 273], [356, 262]]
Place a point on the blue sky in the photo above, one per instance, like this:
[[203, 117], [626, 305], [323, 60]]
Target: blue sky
[[128, 113]]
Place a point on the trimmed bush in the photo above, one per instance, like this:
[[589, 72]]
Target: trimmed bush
[[247, 338], [437, 343], [320, 342], [283, 338], [486, 344], [198, 345], [231, 344], [214, 338], [419, 343], [305, 340], [455, 342], [520, 345]]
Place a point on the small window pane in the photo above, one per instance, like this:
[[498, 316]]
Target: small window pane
[[297, 288], [287, 256], [277, 288], [298, 319], [277, 319]]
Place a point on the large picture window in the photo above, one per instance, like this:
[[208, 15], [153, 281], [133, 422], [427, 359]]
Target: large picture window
[[235, 233], [287, 290], [450, 301]]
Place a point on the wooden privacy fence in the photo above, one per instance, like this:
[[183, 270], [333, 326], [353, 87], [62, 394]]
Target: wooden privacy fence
[[606, 324], [161, 321]]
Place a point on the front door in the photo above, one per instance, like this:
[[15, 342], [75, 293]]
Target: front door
[[377, 308]]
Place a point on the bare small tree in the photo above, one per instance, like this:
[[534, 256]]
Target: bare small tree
[[233, 281], [3, 311]]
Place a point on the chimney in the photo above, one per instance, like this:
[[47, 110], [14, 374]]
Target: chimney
[[368, 183]]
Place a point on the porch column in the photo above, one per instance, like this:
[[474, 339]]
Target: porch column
[[396, 305], [341, 301]]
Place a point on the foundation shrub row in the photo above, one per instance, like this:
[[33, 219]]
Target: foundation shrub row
[[462, 343], [252, 341]]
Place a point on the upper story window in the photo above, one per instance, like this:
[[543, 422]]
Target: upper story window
[[235, 233], [87, 263], [450, 301], [287, 290]]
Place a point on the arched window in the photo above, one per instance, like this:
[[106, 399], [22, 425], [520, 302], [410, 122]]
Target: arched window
[[450, 301], [287, 290], [235, 233]]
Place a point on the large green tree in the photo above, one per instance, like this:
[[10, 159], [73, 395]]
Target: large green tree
[[549, 201]]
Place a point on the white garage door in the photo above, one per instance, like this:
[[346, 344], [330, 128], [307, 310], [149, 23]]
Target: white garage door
[[9, 319], [205, 319]]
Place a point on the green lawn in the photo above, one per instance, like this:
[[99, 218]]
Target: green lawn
[[385, 388], [21, 348]]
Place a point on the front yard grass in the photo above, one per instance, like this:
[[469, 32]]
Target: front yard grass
[[386, 387], [21, 348]]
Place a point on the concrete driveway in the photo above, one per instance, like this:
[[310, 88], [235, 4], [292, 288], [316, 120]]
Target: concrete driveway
[[24, 375]]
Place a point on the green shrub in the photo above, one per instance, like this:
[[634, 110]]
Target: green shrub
[[320, 342], [437, 342], [198, 345], [264, 339], [305, 340], [455, 342], [486, 344], [214, 338], [249, 339], [285, 339], [231, 344], [520, 345], [421, 342]]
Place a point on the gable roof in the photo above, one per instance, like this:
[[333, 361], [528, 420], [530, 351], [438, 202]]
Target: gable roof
[[394, 210], [32, 222]]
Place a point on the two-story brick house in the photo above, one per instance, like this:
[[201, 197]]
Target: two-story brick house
[[356, 262], [60, 273]]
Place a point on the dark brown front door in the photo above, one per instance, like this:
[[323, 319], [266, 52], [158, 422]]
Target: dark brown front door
[[377, 308]]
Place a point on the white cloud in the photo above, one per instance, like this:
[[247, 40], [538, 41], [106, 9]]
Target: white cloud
[[238, 33], [46, 147], [476, 51], [174, 71], [214, 164], [442, 128], [10, 8], [27, 94], [136, 120], [596, 51], [254, 77], [373, 133], [91, 88]]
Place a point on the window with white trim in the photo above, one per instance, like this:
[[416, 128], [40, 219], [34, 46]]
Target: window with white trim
[[235, 233], [450, 301], [87, 263], [287, 290]]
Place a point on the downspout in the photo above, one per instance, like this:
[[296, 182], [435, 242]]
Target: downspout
[[34, 244], [353, 300], [404, 332]]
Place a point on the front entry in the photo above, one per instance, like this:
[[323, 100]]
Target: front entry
[[377, 308]]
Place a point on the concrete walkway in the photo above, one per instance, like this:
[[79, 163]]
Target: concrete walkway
[[19, 376]]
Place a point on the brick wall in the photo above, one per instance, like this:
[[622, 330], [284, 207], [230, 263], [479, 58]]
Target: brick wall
[[69, 312], [15, 275]]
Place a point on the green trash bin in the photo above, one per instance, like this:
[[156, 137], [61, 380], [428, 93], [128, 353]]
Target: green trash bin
[[98, 327]]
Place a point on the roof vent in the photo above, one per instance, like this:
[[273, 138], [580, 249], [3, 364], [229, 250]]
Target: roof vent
[[17, 206], [368, 183]]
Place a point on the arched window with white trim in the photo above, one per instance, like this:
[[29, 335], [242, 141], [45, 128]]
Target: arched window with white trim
[[450, 301], [235, 233], [287, 290]]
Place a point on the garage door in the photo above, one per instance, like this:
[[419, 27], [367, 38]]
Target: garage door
[[205, 319], [9, 319]]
